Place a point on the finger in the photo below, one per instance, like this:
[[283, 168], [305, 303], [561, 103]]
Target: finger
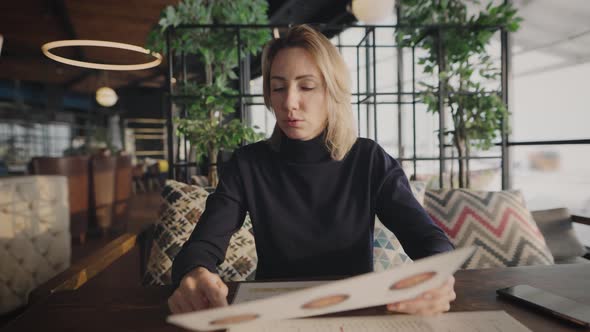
[[185, 303], [443, 295], [433, 301], [423, 303], [191, 294], [211, 287], [443, 291], [173, 307], [411, 308], [197, 300], [408, 307], [224, 290], [452, 296], [181, 303], [434, 307], [451, 280]]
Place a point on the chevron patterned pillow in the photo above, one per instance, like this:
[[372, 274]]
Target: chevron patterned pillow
[[498, 223]]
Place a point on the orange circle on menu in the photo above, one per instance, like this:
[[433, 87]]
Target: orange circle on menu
[[234, 319], [325, 301], [413, 280]]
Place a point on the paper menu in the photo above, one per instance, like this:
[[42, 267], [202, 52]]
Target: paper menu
[[361, 291], [476, 321], [250, 291]]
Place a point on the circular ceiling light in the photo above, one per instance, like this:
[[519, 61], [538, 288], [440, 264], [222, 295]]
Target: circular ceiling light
[[46, 48], [106, 96]]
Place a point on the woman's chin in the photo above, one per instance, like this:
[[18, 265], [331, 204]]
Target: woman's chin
[[295, 133]]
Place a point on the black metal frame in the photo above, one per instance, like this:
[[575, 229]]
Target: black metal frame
[[368, 97]]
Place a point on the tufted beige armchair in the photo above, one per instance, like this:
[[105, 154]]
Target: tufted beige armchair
[[34, 235]]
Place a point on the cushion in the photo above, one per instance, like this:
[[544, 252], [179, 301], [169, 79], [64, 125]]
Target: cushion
[[556, 226], [34, 235], [498, 223], [387, 251], [182, 208], [419, 190]]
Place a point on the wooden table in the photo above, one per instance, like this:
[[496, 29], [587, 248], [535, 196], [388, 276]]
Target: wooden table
[[110, 302]]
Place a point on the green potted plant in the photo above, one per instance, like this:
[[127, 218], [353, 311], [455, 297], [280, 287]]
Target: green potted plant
[[212, 100], [476, 114]]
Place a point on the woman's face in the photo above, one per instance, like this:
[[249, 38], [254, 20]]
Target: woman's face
[[297, 94]]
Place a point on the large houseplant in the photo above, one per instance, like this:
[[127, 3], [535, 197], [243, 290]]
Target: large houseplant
[[212, 100], [477, 115]]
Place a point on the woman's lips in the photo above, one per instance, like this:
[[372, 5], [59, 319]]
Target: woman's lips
[[293, 123]]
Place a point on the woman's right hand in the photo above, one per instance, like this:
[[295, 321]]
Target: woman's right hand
[[199, 289]]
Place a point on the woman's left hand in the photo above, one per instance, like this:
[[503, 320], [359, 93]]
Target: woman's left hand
[[430, 303]]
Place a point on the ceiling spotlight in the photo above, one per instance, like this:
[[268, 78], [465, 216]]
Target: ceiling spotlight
[[372, 11], [106, 96], [1, 42]]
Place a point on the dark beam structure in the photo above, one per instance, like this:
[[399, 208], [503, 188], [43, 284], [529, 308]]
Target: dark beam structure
[[157, 72], [60, 11]]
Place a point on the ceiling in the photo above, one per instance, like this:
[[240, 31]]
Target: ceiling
[[28, 24], [559, 28]]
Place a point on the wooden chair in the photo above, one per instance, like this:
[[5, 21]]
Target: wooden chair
[[137, 176], [152, 177], [123, 184], [556, 225], [76, 171], [102, 193]]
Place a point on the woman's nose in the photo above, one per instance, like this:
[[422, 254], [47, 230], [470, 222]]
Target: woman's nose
[[291, 99]]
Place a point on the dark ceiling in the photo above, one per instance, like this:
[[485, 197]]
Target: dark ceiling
[[27, 24]]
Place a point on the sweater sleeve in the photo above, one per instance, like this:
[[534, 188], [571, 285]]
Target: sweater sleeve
[[401, 213], [224, 215]]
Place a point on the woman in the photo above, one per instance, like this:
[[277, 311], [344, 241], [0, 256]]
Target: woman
[[312, 190]]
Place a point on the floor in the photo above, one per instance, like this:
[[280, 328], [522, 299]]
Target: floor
[[143, 211]]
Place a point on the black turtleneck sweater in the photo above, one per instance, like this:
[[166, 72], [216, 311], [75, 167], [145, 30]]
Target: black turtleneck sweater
[[312, 216]]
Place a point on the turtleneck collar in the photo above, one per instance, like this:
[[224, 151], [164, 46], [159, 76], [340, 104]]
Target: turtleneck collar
[[311, 151]]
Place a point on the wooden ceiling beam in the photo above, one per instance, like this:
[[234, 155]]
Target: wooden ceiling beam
[[79, 78], [61, 13], [156, 73]]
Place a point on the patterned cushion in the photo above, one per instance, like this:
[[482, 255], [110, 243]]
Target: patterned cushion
[[419, 190], [240, 258], [498, 223], [182, 208], [387, 251]]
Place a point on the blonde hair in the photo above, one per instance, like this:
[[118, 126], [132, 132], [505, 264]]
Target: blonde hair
[[341, 132]]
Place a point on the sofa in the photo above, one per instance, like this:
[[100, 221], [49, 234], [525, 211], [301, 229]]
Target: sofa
[[34, 235], [498, 223]]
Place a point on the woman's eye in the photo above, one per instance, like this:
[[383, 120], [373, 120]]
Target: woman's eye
[[307, 88], [278, 89]]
